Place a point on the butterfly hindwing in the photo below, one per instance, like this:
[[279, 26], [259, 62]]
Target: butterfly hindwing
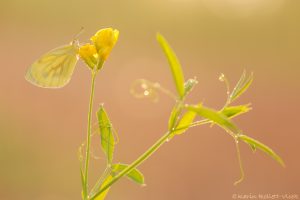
[[55, 68]]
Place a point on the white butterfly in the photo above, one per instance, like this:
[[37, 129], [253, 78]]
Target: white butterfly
[[55, 68]]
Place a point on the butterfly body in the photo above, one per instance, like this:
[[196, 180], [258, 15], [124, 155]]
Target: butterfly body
[[55, 68]]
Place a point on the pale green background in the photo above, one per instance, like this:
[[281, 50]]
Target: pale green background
[[40, 130]]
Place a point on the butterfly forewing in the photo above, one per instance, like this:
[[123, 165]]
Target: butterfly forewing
[[55, 68]]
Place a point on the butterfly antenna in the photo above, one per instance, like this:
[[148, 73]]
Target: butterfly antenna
[[75, 37], [79, 33]]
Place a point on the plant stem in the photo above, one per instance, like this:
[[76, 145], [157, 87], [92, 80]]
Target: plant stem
[[89, 133], [136, 163]]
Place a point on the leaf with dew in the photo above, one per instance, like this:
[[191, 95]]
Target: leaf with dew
[[106, 131]]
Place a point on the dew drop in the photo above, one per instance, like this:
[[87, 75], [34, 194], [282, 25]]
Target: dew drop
[[144, 86], [222, 77], [146, 92]]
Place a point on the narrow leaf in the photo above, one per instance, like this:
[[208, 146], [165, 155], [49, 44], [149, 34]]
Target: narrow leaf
[[233, 111], [104, 193], [216, 117], [106, 131], [241, 86], [82, 183], [185, 122], [174, 116], [135, 175], [254, 143], [174, 64]]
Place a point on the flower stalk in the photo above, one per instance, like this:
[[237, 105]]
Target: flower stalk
[[89, 133]]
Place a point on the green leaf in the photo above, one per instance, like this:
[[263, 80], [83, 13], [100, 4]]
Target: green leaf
[[104, 193], [241, 86], [174, 116], [106, 131], [233, 111], [253, 147], [82, 183], [185, 122], [174, 64], [135, 175], [189, 85], [256, 144], [216, 117]]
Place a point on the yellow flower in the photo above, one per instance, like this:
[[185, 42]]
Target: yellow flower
[[104, 40], [89, 54]]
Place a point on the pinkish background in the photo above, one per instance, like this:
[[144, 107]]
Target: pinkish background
[[41, 130]]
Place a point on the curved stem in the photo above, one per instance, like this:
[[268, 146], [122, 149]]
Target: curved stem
[[136, 163], [89, 133]]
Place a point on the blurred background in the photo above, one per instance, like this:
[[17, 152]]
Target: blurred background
[[41, 129]]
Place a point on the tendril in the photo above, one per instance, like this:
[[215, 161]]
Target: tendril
[[242, 174]]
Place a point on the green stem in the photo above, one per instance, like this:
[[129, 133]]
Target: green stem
[[136, 163], [89, 133]]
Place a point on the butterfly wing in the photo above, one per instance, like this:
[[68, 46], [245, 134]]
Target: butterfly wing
[[55, 68]]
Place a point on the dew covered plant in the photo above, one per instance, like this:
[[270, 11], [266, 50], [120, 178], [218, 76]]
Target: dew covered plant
[[54, 70]]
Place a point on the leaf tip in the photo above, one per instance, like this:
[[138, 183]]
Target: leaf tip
[[159, 36]]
